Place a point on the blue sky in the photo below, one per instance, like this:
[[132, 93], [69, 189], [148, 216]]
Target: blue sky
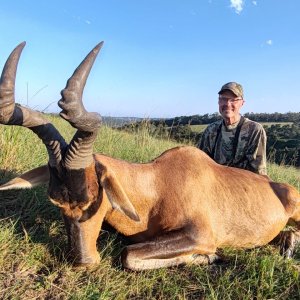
[[160, 58]]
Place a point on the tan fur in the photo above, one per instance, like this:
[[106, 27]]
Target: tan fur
[[28, 180], [184, 185]]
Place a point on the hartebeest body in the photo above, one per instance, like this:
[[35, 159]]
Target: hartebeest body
[[179, 208]]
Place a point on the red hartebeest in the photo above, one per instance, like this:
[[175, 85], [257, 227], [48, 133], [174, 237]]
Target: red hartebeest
[[178, 209]]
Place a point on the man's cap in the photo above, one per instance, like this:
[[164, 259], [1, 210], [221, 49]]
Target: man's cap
[[234, 87]]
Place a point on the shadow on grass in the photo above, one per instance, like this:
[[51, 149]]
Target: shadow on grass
[[32, 214]]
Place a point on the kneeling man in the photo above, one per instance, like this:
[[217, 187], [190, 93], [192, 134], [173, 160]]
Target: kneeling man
[[235, 140]]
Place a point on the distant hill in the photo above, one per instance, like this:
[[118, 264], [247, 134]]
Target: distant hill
[[113, 121], [119, 121]]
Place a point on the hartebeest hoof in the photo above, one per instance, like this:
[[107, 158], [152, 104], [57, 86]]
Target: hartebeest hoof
[[288, 241], [87, 263]]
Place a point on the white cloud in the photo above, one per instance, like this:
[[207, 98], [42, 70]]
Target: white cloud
[[237, 5], [269, 42], [254, 3], [88, 22]]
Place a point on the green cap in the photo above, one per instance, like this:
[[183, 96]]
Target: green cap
[[234, 87]]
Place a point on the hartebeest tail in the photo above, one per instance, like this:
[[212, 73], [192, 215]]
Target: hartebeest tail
[[179, 208]]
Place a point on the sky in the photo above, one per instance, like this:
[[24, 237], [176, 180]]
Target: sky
[[161, 58]]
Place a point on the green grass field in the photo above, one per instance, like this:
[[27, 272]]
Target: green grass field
[[33, 241], [198, 128]]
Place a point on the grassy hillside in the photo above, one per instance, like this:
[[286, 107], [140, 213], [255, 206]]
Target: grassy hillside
[[33, 241]]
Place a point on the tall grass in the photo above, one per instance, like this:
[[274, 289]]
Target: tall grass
[[33, 242]]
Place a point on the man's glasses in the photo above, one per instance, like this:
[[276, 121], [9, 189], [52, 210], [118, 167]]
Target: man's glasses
[[229, 100]]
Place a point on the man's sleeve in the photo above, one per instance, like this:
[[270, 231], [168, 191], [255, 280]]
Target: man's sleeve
[[256, 152], [204, 142]]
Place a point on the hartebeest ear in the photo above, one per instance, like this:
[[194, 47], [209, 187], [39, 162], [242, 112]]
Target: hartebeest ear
[[117, 195], [28, 180]]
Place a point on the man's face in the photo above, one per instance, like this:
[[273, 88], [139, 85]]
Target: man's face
[[230, 105]]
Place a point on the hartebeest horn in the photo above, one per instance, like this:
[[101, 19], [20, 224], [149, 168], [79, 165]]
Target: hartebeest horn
[[79, 154], [12, 114], [71, 102], [7, 84]]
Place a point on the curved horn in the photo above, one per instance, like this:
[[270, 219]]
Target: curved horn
[[71, 102], [15, 114], [7, 84], [80, 150]]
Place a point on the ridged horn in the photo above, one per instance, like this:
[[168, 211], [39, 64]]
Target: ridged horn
[[80, 151], [73, 109], [11, 114], [7, 84]]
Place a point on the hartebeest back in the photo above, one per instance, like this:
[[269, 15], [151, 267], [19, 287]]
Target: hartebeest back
[[179, 208]]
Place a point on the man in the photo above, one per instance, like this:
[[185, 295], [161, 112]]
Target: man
[[235, 141]]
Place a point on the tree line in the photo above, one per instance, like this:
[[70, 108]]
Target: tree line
[[293, 117], [283, 140]]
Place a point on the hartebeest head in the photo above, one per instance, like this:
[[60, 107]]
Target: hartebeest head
[[76, 181]]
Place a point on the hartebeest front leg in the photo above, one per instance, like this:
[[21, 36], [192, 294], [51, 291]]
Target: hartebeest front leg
[[288, 241], [171, 249]]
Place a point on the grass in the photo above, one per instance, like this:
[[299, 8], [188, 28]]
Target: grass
[[33, 241], [269, 124], [198, 128]]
